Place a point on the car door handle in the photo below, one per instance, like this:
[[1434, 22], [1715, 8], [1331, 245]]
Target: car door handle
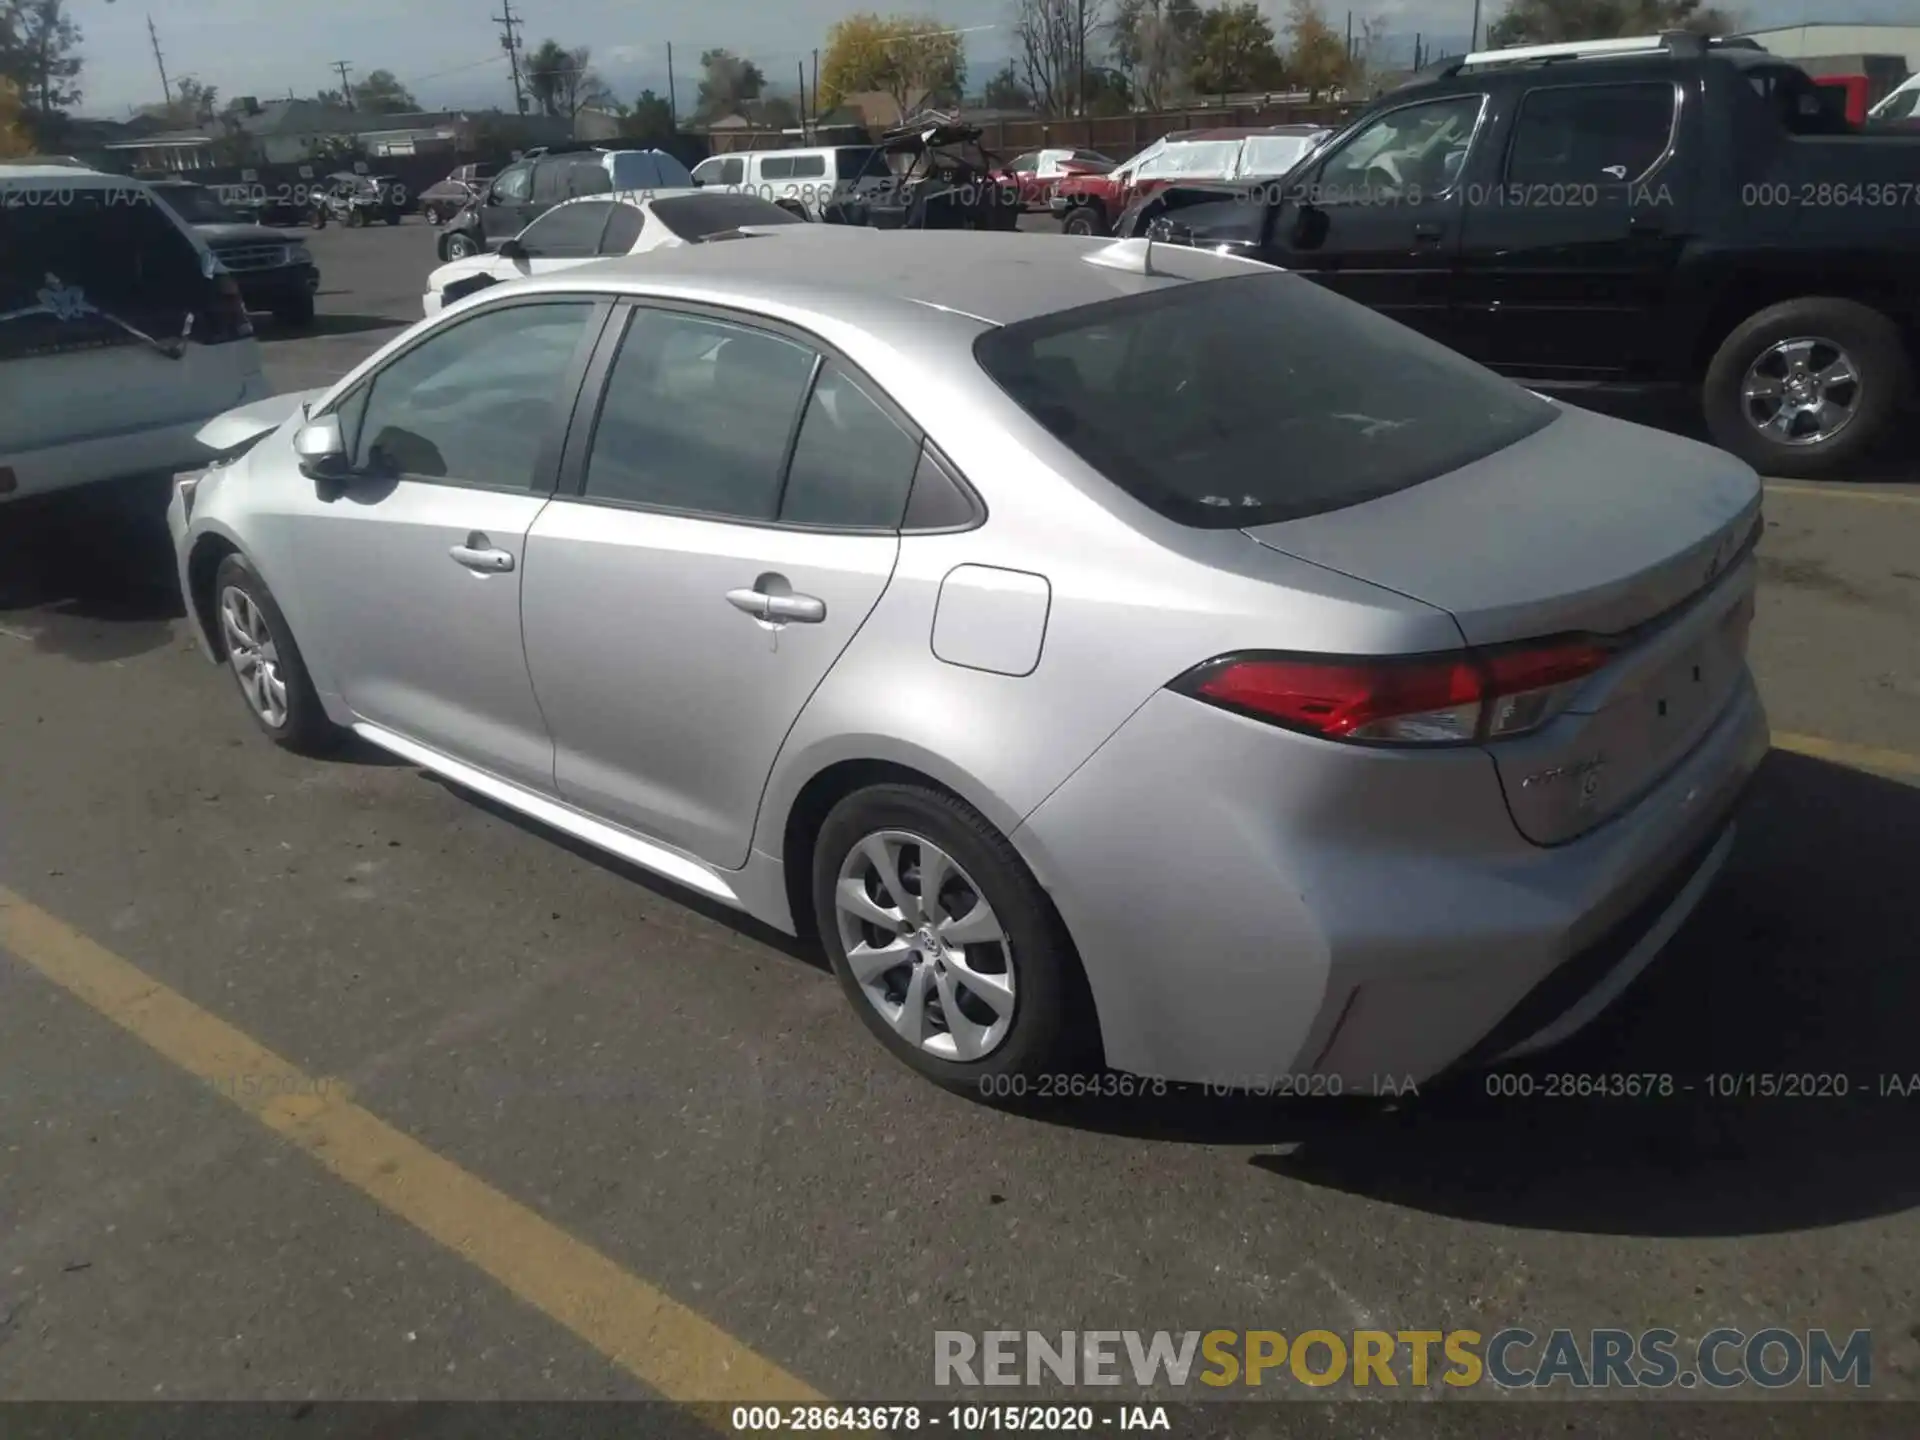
[[804, 609], [1646, 225], [480, 555], [1428, 234]]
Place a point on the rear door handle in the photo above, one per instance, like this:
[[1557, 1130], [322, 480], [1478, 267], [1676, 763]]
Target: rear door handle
[[802, 609], [482, 556], [1645, 225], [1428, 234]]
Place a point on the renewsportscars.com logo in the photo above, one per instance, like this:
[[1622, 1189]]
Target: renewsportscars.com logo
[[1513, 1358]]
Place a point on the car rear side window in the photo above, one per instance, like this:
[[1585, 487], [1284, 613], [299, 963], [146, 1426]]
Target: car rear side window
[[697, 416], [777, 169], [623, 230], [80, 264], [1254, 399], [852, 465], [567, 232], [851, 163], [1590, 134]]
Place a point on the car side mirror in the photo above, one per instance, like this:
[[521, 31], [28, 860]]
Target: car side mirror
[[511, 249], [321, 449]]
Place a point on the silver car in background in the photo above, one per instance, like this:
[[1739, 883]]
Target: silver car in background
[[1114, 653]]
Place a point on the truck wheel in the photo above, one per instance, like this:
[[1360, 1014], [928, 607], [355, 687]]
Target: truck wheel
[[1806, 388], [356, 219], [1084, 220], [457, 247], [295, 312]]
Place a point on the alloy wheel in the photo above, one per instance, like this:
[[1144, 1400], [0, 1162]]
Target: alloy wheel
[[254, 655], [1801, 391], [924, 945]]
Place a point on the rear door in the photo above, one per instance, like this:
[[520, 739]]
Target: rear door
[[1567, 255], [1378, 219], [683, 604], [92, 274]]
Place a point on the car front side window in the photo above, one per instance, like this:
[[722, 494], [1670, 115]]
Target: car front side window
[[473, 403], [513, 186], [1415, 152], [566, 232]]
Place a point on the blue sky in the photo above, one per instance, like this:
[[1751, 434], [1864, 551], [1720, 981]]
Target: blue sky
[[448, 52]]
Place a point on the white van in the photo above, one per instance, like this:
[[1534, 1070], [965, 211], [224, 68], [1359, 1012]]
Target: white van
[[805, 181], [1902, 104], [120, 333]]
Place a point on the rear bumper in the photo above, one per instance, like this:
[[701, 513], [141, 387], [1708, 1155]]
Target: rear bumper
[[1253, 906], [159, 449]]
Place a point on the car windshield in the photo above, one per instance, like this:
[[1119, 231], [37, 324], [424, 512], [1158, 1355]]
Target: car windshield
[[694, 217], [1273, 154], [1199, 157], [1254, 399], [197, 205]]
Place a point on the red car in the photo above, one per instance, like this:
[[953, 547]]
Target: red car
[[1089, 204], [1034, 174]]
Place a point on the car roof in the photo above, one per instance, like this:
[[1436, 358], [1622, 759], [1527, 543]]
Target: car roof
[[991, 277], [68, 173]]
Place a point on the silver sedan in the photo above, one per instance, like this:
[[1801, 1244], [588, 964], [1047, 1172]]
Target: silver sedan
[[1115, 654]]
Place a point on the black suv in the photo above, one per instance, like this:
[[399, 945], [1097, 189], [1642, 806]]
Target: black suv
[[273, 272], [540, 179], [1661, 212]]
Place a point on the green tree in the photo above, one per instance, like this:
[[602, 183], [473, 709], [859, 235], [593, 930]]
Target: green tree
[[651, 118], [1316, 57], [193, 103], [1153, 44], [1540, 22], [16, 138], [40, 55], [1234, 51], [727, 83], [1004, 90], [383, 94], [910, 59]]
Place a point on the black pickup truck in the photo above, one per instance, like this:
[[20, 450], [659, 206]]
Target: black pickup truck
[[1666, 212]]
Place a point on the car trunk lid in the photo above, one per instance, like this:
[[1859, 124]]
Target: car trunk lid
[[1588, 526]]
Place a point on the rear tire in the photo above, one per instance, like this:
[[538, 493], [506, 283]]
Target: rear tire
[[394, 219], [1030, 1014], [265, 662], [296, 312], [1823, 337], [356, 219], [1084, 220]]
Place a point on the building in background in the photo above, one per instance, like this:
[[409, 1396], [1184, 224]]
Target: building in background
[[1885, 54]]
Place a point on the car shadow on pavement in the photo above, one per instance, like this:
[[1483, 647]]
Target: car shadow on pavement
[[89, 573], [1800, 962]]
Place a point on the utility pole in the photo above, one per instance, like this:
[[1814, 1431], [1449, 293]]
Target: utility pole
[[800, 71], [346, 86], [160, 60], [1473, 40], [815, 106], [673, 105], [1080, 58], [510, 43]]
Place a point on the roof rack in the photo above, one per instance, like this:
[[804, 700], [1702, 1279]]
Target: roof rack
[[1682, 44]]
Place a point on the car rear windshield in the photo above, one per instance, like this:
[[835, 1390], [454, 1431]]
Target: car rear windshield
[[1255, 398], [694, 217], [79, 264]]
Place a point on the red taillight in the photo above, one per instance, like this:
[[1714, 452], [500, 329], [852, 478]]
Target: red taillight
[[1451, 699]]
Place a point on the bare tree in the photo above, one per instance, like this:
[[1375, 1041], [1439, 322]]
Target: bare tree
[[1153, 45], [1058, 44]]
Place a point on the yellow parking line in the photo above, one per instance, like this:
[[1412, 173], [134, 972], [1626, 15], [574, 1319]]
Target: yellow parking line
[[1859, 757], [1841, 492], [669, 1348]]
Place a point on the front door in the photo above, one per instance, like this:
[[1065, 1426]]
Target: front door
[[1378, 219], [508, 207], [683, 607], [1565, 261], [414, 565]]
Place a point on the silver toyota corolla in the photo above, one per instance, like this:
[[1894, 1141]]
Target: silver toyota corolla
[[1113, 652]]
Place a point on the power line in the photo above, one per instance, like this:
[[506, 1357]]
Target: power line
[[160, 60], [510, 43]]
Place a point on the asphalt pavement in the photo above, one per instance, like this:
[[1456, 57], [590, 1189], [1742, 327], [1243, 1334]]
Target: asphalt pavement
[[321, 1079]]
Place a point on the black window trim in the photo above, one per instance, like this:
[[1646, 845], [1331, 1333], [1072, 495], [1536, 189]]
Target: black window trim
[[547, 460], [585, 420], [1660, 161]]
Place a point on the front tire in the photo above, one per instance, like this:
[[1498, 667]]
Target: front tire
[[973, 980], [1807, 388], [356, 219], [295, 312], [265, 663], [458, 247]]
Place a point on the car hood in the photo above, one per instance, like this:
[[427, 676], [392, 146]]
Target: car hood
[[1588, 524], [460, 269], [232, 429], [229, 234]]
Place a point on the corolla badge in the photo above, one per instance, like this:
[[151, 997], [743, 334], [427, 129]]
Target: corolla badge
[[1586, 773]]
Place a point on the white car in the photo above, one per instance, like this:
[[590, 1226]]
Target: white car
[[1903, 104], [596, 226], [120, 332]]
